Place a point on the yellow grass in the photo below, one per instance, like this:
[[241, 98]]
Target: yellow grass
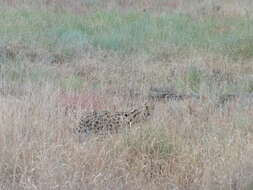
[[187, 145]]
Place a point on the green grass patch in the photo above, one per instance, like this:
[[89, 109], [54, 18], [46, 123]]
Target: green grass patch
[[154, 142], [21, 73], [126, 32], [72, 83], [194, 77], [199, 81]]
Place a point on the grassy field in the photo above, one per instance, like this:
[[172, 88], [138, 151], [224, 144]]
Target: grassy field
[[59, 58]]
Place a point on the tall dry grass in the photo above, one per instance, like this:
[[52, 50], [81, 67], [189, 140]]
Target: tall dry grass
[[189, 144], [46, 84]]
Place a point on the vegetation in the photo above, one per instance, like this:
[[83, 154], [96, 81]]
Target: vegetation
[[61, 58]]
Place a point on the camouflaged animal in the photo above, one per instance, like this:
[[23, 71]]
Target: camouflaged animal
[[105, 122]]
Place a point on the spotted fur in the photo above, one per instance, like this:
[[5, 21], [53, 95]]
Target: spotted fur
[[111, 122]]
